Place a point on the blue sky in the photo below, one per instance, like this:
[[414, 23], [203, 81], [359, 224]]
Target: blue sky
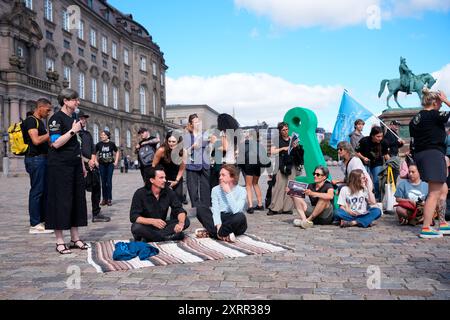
[[263, 57]]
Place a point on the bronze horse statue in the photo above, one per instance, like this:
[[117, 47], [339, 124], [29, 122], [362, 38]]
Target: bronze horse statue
[[395, 87]]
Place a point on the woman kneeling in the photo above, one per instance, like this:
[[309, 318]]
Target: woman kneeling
[[353, 201]]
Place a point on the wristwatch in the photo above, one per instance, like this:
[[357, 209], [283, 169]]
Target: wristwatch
[[71, 132]]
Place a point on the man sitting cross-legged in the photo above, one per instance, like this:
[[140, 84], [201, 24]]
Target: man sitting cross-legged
[[226, 219], [149, 209], [321, 194]]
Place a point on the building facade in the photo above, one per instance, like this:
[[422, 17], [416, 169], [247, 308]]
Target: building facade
[[177, 115], [91, 47]]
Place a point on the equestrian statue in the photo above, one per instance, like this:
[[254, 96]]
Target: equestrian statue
[[408, 82]]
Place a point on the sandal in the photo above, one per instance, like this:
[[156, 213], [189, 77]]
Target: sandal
[[403, 221], [201, 233], [74, 244], [346, 224], [66, 249]]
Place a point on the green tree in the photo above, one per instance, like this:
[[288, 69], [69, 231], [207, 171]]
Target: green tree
[[327, 150]]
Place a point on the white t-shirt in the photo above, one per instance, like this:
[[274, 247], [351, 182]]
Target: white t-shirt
[[357, 202]]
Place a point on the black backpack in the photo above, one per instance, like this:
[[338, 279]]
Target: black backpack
[[146, 155]]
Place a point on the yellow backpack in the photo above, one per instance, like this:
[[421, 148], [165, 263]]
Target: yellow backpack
[[16, 139]]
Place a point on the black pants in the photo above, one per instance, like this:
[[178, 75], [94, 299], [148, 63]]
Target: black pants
[[178, 189], [231, 223], [198, 187], [152, 233], [145, 173], [92, 182]]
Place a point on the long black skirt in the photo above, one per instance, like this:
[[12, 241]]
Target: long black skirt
[[66, 205]]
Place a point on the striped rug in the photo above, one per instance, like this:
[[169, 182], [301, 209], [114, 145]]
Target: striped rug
[[189, 250]]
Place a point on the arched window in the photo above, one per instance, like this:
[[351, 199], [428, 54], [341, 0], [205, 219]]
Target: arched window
[[142, 100], [127, 101], [117, 136], [81, 78], [115, 98], [105, 94], [154, 103], [95, 135], [128, 139], [94, 90]]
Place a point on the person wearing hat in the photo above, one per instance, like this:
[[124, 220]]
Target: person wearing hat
[[393, 141], [146, 149], [92, 179]]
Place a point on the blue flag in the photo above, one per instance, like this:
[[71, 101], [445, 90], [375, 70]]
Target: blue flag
[[349, 111]]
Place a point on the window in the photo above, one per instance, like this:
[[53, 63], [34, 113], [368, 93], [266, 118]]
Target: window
[[154, 68], [143, 64], [66, 44], [105, 94], [117, 136], [29, 4], [114, 69], [114, 50], [128, 139], [49, 35], [127, 101], [20, 52], [94, 93], [67, 75], [65, 20], [81, 29], [125, 56], [93, 58], [154, 103], [163, 115], [105, 64], [95, 135], [81, 52], [162, 79], [81, 85], [115, 98], [48, 10], [126, 74], [104, 44], [93, 38], [142, 100], [49, 64]]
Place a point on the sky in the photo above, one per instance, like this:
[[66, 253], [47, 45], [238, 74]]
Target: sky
[[264, 57]]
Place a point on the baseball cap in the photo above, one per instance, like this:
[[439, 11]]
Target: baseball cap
[[395, 122], [81, 114], [142, 130]]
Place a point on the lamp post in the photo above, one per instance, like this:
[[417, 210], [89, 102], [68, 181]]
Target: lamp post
[[5, 138]]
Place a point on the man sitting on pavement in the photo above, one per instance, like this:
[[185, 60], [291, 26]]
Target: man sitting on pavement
[[321, 194], [149, 209]]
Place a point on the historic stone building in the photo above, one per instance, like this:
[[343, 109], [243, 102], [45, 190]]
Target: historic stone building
[[89, 46], [177, 115]]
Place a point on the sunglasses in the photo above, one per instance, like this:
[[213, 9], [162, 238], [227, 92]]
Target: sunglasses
[[315, 174], [340, 149]]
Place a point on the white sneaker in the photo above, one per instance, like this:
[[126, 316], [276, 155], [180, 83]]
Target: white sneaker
[[297, 222], [39, 229], [232, 237], [307, 224]]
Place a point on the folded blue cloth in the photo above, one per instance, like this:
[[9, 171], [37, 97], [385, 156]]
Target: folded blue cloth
[[130, 250]]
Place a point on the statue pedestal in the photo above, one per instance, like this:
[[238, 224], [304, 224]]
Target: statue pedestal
[[403, 116]]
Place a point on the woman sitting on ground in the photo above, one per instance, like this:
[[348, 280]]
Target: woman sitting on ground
[[354, 200], [226, 219], [412, 190], [321, 194]]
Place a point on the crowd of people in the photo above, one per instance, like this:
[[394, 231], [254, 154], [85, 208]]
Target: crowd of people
[[63, 163]]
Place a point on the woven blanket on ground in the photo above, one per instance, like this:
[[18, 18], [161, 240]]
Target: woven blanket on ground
[[189, 250]]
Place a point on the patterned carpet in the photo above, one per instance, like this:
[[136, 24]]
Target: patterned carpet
[[190, 250]]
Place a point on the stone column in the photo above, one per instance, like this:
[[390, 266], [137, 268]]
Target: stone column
[[23, 109], [14, 110]]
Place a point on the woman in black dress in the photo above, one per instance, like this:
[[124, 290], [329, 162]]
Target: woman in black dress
[[427, 130], [66, 206], [170, 155]]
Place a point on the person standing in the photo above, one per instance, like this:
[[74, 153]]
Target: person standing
[[427, 129], [357, 135], [145, 150], [35, 133], [66, 205], [107, 162], [197, 166], [91, 165]]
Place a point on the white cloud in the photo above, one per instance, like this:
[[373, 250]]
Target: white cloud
[[336, 14], [254, 33], [443, 79], [256, 97]]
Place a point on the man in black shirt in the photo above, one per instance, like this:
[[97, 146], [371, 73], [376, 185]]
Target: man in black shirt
[[149, 209], [152, 141], [35, 134], [393, 142], [91, 164]]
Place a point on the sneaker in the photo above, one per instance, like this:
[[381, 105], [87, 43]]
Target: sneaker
[[307, 224], [298, 222], [103, 203], [232, 237], [39, 229], [258, 208], [250, 210], [100, 218], [109, 203], [444, 228], [428, 233]]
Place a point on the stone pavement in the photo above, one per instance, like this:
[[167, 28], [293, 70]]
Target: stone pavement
[[328, 262]]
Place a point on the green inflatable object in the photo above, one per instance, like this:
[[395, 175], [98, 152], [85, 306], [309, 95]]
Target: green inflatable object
[[304, 122]]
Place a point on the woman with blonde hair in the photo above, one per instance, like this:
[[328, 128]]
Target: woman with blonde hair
[[427, 130]]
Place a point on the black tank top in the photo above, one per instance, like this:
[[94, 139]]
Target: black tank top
[[171, 169]]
